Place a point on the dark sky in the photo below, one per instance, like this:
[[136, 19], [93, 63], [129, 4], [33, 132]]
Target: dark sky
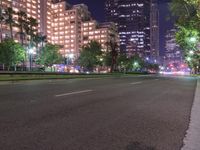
[[97, 9], [95, 6]]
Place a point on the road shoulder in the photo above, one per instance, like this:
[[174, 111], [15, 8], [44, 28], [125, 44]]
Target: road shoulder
[[191, 141]]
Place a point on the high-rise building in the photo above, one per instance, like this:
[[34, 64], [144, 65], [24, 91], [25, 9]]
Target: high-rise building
[[154, 26], [102, 33], [31, 7], [133, 19], [173, 53], [65, 26], [70, 26]]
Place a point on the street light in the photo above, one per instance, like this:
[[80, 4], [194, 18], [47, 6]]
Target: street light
[[69, 56], [191, 52], [135, 64], [188, 58], [193, 39]]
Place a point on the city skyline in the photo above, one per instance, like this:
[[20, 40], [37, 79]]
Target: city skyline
[[98, 8], [98, 13], [99, 74]]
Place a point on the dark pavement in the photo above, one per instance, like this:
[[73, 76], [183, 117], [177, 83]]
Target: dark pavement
[[132, 113]]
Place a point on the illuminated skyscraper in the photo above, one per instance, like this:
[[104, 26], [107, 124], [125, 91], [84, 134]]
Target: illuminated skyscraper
[[173, 52], [154, 22], [133, 21]]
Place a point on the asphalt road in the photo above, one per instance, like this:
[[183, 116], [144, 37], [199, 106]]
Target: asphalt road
[[132, 113]]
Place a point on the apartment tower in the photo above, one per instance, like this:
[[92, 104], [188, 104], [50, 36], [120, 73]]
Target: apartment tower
[[154, 26]]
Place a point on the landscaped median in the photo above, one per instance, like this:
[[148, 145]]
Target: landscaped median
[[17, 76]]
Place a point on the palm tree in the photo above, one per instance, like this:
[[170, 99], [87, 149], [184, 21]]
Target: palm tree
[[31, 28], [113, 46], [22, 22], [39, 38], [1, 22], [43, 40], [9, 20]]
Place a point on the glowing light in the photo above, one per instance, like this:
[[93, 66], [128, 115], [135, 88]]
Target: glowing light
[[135, 63], [71, 56], [189, 59], [191, 52], [193, 40]]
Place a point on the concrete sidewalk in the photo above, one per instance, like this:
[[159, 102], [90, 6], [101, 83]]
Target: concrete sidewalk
[[191, 141]]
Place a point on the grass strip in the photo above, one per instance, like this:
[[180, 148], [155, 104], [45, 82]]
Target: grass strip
[[17, 77]]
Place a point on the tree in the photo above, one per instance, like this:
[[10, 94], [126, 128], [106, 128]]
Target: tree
[[134, 63], [187, 13], [11, 53], [50, 56], [123, 62], [90, 56], [31, 29], [21, 24], [9, 20], [113, 51], [39, 38], [1, 22]]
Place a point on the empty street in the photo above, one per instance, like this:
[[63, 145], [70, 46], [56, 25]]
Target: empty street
[[127, 113]]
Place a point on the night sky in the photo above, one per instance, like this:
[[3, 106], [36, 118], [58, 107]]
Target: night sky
[[97, 9]]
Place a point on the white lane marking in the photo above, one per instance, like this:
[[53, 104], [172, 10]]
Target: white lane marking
[[191, 141], [156, 79], [134, 83], [73, 93]]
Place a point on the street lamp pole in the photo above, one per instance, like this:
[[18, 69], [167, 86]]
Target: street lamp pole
[[30, 59]]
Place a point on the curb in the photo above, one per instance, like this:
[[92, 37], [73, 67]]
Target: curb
[[191, 141]]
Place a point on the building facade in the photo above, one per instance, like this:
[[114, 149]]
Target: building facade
[[31, 7], [173, 52], [70, 26], [102, 33], [154, 29], [65, 26], [133, 19]]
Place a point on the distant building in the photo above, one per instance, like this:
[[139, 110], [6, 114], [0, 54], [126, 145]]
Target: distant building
[[133, 21], [173, 52], [154, 26]]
